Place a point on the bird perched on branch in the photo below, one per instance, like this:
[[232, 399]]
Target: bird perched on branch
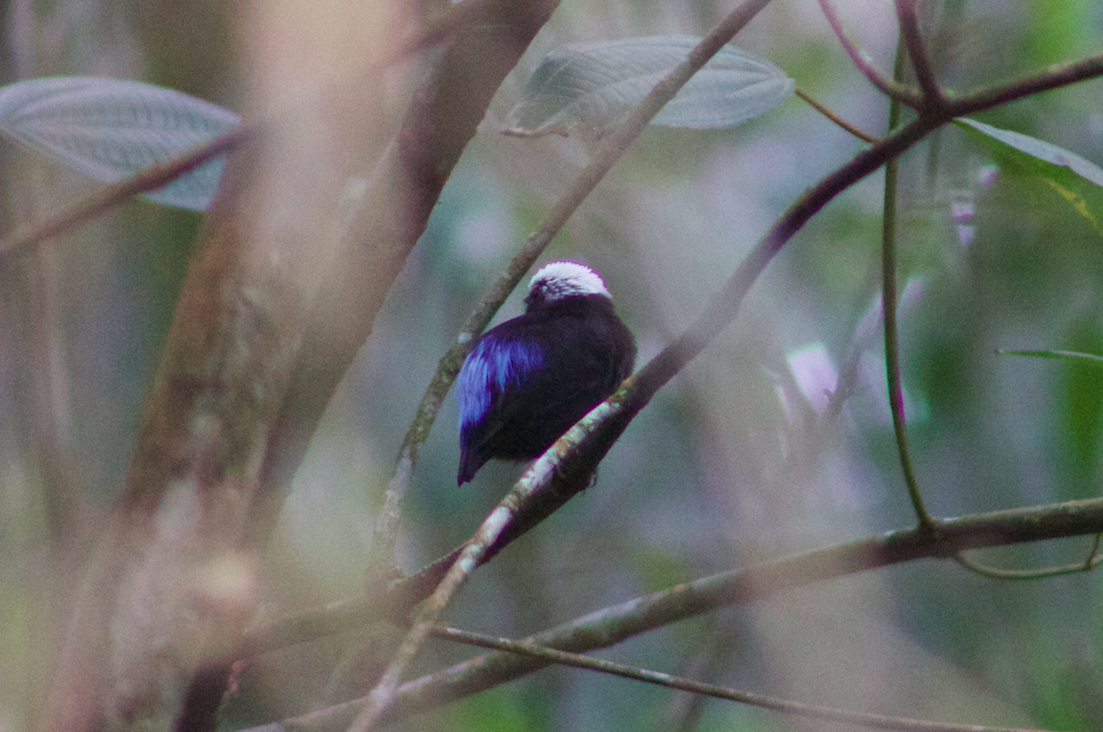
[[528, 380]]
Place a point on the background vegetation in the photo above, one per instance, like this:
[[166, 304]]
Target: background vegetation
[[737, 460]]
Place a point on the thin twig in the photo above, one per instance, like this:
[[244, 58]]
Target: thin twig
[[892, 338], [1093, 560], [680, 683], [826, 112], [1022, 574]]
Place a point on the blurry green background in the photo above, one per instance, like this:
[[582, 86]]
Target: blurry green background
[[728, 465]]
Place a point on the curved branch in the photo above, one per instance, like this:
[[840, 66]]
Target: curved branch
[[1093, 560], [863, 63]]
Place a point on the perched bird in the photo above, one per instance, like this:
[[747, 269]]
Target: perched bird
[[528, 380]]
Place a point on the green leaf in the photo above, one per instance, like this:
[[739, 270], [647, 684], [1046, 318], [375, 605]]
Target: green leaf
[[1079, 181], [110, 129], [593, 87]]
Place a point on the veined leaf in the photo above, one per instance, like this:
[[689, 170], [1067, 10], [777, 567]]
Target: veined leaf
[[592, 87], [1079, 181], [110, 129]]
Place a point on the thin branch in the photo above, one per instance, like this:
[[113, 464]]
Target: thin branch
[[913, 41], [826, 112], [1076, 356], [118, 193], [612, 625], [864, 64], [1023, 574], [680, 683], [1094, 559], [1057, 75], [892, 337]]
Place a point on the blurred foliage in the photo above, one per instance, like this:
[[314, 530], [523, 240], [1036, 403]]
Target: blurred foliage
[[720, 470]]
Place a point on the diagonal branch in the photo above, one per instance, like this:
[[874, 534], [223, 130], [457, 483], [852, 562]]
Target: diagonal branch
[[826, 112], [611, 150]]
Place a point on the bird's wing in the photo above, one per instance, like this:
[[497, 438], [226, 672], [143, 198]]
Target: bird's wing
[[494, 367]]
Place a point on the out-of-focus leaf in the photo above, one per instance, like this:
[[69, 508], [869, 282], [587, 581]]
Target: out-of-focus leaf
[[1079, 181], [592, 87], [110, 129]]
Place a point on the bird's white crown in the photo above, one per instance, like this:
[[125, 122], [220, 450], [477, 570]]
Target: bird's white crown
[[567, 279]]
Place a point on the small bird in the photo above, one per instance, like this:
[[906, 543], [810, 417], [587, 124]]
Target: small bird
[[528, 380]]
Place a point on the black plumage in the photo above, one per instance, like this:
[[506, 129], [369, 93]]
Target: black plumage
[[528, 380]]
